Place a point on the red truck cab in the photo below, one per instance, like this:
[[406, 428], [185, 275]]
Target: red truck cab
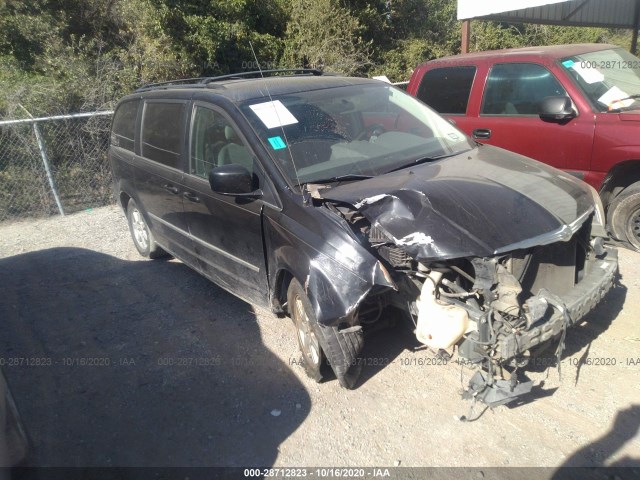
[[575, 107]]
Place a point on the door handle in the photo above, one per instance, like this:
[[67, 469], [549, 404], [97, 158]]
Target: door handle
[[482, 133], [171, 188], [192, 197]]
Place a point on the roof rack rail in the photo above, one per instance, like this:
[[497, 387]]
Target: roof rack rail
[[206, 80], [168, 83], [261, 73]]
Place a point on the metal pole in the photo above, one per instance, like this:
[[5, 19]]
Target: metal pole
[[57, 117], [45, 161], [466, 35]]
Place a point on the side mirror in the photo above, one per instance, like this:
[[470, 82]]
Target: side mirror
[[232, 179], [557, 109]]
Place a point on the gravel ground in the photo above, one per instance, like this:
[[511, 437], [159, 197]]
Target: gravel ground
[[118, 360]]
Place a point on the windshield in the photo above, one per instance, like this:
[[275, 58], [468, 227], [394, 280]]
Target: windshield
[[350, 132], [609, 78]]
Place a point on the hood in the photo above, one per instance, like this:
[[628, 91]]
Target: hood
[[480, 203], [630, 116]]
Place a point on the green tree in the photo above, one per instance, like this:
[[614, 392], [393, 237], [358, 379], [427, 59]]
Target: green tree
[[217, 36], [322, 34]]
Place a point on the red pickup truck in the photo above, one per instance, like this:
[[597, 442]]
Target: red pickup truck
[[575, 107]]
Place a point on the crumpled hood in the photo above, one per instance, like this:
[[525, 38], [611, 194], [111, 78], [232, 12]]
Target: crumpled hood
[[480, 203]]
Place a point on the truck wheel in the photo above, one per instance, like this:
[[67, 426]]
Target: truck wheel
[[316, 341], [142, 236], [624, 216]]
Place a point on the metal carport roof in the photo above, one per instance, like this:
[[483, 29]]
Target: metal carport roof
[[586, 13]]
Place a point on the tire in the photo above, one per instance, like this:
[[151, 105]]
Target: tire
[[317, 342], [140, 233], [624, 216]]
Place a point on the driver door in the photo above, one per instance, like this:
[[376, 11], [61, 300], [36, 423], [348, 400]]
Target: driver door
[[226, 230]]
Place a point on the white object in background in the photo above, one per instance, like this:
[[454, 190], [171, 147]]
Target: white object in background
[[613, 96], [382, 78], [589, 75], [473, 8]]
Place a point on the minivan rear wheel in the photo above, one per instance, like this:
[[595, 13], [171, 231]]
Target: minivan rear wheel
[[140, 233], [625, 216]]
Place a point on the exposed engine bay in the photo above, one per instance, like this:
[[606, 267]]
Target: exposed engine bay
[[490, 311]]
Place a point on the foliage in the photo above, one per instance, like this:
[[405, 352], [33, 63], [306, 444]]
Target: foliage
[[60, 56], [492, 35], [322, 34]]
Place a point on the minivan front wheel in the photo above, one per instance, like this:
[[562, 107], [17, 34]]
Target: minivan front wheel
[[140, 233], [625, 216], [304, 321], [342, 349]]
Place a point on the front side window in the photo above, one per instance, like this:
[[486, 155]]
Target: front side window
[[124, 125], [518, 89], [447, 90], [162, 131], [350, 131], [609, 78], [215, 142]]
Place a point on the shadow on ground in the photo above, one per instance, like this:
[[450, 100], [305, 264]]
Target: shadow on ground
[[598, 453], [139, 363]]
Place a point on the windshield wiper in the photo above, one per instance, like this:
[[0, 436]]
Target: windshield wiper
[[630, 97], [339, 178], [427, 159]]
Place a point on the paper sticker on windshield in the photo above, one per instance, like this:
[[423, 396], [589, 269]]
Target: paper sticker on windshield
[[589, 75], [615, 98], [277, 143], [568, 63], [273, 114]]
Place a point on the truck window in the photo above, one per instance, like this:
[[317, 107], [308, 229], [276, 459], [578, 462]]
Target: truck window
[[518, 88], [447, 90], [124, 125], [162, 131]]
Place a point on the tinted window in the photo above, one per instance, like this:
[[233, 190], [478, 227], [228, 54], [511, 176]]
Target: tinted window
[[124, 125], [214, 142], [162, 129], [518, 88], [447, 90]]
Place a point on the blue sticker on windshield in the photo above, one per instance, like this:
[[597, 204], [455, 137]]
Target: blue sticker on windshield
[[568, 63], [277, 143]]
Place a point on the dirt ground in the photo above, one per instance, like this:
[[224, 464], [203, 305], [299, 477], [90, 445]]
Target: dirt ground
[[115, 360]]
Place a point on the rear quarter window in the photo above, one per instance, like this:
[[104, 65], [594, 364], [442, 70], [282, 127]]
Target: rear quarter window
[[124, 125], [447, 90], [163, 131]]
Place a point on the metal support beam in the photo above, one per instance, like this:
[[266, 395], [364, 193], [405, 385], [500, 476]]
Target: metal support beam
[[466, 36], [576, 10]]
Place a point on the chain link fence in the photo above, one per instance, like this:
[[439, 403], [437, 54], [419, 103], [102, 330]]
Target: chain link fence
[[54, 165]]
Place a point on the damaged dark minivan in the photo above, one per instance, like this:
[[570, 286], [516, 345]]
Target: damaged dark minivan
[[343, 201]]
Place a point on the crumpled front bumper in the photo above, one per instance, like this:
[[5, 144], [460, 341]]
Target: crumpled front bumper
[[579, 301]]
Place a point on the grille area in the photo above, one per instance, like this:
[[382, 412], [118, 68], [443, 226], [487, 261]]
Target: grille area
[[395, 256]]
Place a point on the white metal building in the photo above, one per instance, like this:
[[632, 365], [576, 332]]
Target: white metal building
[[586, 13]]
